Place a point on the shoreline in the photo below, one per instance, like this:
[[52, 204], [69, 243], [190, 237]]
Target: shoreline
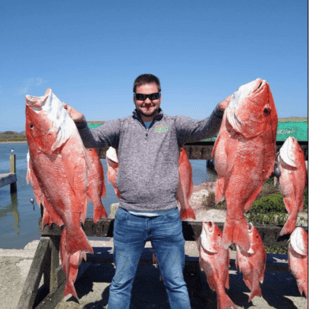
[[13, 142]]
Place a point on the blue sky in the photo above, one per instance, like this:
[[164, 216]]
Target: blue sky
[[90, 52]]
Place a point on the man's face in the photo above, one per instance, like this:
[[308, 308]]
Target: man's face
[[147, 109]]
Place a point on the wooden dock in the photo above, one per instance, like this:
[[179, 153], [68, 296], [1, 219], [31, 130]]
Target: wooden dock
[[10, 178], [46, 263], [202, 150]]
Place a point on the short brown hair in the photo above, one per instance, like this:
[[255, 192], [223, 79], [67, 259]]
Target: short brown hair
[[146, 79]]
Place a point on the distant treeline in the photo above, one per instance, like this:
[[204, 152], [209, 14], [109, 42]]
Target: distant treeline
[[11, 136], [293, 119]]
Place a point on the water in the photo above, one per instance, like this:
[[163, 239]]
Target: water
[[19, 217]]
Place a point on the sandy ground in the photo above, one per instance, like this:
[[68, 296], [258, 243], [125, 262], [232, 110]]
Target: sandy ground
[[279, 288]]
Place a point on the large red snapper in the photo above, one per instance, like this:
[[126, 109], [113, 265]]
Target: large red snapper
[[214, 259], [244, 153], [58, 168], [185, 186], [252, 263], [298, 258], [292, 181], [97, 187]]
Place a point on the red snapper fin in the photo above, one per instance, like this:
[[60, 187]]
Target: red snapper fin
[[236, 231], [256, 291], [290, 224], [224, 301], [99, 212], [76, 240], [252, 198], [70, 289], [187, 213], [220, 183]]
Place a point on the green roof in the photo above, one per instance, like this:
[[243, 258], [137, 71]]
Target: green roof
[[94, 125], [297, 129]]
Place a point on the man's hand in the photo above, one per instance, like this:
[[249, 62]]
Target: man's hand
[[73, 113], [224, 104]]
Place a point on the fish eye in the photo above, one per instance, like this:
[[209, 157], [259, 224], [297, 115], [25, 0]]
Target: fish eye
[[31, 126], [267, 111]]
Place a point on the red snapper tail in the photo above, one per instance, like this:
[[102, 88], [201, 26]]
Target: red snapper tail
[[224, 302], [236, 231], [187, 213], [76, 240], [256, 291], [99, 212], [289, 226]]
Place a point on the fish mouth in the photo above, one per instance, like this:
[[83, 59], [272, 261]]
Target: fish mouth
[[241, 112], [209, 226], [250, 232], [297, 241], [285, 151], [111, 154], [36, 103], [259, 85]]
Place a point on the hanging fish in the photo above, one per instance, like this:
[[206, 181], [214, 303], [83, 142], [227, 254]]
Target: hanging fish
[[214, 259], [60, 170], [244, 153], [292, 181]]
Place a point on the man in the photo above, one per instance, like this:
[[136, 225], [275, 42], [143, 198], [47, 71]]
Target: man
[[148, 144]]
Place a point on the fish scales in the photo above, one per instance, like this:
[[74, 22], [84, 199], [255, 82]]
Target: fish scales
[[252, 263], [61, 172], [96, 188], [244, 155], [185, 187], [214, 259], [293, 180], [298, 259]]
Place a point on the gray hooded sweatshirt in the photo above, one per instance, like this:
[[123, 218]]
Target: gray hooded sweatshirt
[[147, 177]]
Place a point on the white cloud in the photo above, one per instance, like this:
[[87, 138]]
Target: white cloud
[[23, 90], [34, 81], [29, 83]]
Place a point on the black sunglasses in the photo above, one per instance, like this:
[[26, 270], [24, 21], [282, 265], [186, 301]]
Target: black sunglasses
[[143, 97]]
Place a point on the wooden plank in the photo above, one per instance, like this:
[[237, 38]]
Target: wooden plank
[[7, 179], [13, 164], [54, 263], [103, 256], [38, 265], [54, 297], [13, 186], [191, 231]]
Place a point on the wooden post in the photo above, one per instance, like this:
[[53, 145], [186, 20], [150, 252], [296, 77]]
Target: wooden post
[[13, 171]]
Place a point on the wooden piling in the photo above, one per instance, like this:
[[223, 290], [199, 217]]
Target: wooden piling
[[10, 178], [13, 186]]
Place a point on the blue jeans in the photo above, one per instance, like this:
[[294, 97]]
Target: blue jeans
[[130, 235]]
